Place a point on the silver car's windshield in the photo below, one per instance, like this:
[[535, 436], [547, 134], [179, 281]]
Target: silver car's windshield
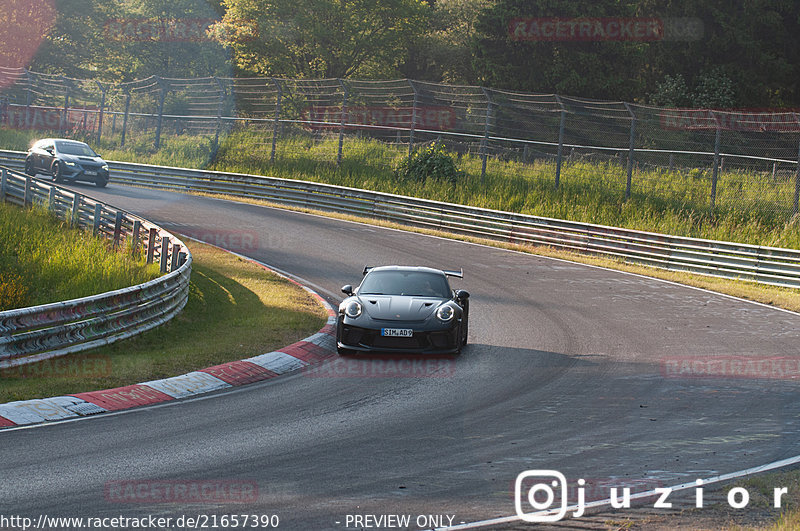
[[74, 148], [411, 283]]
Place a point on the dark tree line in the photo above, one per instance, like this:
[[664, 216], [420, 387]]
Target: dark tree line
[[747, 54]]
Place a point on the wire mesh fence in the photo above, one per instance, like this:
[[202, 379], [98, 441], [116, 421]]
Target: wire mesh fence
[[739, 160]]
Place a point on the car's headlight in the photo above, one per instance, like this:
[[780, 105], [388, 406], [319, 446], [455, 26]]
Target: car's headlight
[[104, 167], [353, 309], [445, 313], [69, 163]]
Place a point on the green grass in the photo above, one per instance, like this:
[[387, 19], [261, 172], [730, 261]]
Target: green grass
[[752, 207], [236, 310], [42, 260]]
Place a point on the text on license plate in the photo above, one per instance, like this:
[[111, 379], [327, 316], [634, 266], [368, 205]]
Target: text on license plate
[[397, 332], [90, 172]]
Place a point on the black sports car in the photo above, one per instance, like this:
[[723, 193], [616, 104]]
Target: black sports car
[[403, 309], [66, 160]]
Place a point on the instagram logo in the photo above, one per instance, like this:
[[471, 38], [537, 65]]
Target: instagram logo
[[540, 496]]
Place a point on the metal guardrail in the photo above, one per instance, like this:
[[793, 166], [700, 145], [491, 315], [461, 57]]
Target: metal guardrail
[[50, 330], [766, 265]]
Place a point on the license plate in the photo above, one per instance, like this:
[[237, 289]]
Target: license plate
[[397, 332], [90, 172]]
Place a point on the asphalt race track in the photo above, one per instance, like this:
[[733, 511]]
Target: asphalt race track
[[569, 368]]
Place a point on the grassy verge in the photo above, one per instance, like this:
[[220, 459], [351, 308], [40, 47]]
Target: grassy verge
[[236, 310], [42, 260], [752, 207]]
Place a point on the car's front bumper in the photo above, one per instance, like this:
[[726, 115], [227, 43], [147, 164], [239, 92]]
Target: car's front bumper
[[445, 340], [80, 172]]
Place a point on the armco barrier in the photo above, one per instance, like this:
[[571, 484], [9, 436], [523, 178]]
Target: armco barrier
[[767, 265], [41, 332]]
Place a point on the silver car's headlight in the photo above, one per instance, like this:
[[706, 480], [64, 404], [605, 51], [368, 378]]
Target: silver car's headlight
[[104, 167], [445, 313], [353, 309], [69, 163]]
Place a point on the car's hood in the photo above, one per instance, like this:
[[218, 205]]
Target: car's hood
[[399, 307], [81, 158]]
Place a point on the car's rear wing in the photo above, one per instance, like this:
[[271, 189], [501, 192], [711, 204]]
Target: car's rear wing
[[449, 273], [457, 274]]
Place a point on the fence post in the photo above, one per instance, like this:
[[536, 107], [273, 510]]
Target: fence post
[[344, 120], [3, 183], [162, 94], [219, 115], [125, 116], [98, 214], [137, 226], [28, 98], [796, 204], [413, 119], [277, 120], [117, 228], [76, 210], [51, 199], [164, 253], [630, 152], [715, 169], [485, 140], [102, 109], [65, 112], [560, 154], [176, 249], [151, 245], [26, 199]]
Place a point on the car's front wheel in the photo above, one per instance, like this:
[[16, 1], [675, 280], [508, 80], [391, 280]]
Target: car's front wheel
[[29, 168], [57, 172], [100, 181]]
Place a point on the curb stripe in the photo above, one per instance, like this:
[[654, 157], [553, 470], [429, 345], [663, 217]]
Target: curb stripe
[[124, 397], [240, 372]]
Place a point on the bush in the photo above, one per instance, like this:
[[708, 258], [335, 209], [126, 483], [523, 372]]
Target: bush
[[430, 161]]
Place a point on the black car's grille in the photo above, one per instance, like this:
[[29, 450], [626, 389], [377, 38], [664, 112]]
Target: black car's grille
[[397, 342], [439, 340]]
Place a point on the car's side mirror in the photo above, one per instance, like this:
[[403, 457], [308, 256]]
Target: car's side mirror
[[462, 295], [347, 290]]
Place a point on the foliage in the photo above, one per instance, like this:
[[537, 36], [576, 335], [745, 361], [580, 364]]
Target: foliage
[[444, 51], [430, 161], [672, 92], [131, 39], [320, 38], [715, 90], [745, 42]]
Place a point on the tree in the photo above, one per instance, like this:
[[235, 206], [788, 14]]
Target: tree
[[444, 51], [595, 69], [320, 38]]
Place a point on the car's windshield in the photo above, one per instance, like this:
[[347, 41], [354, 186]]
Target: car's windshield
[[412, 283], [75, 148]]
